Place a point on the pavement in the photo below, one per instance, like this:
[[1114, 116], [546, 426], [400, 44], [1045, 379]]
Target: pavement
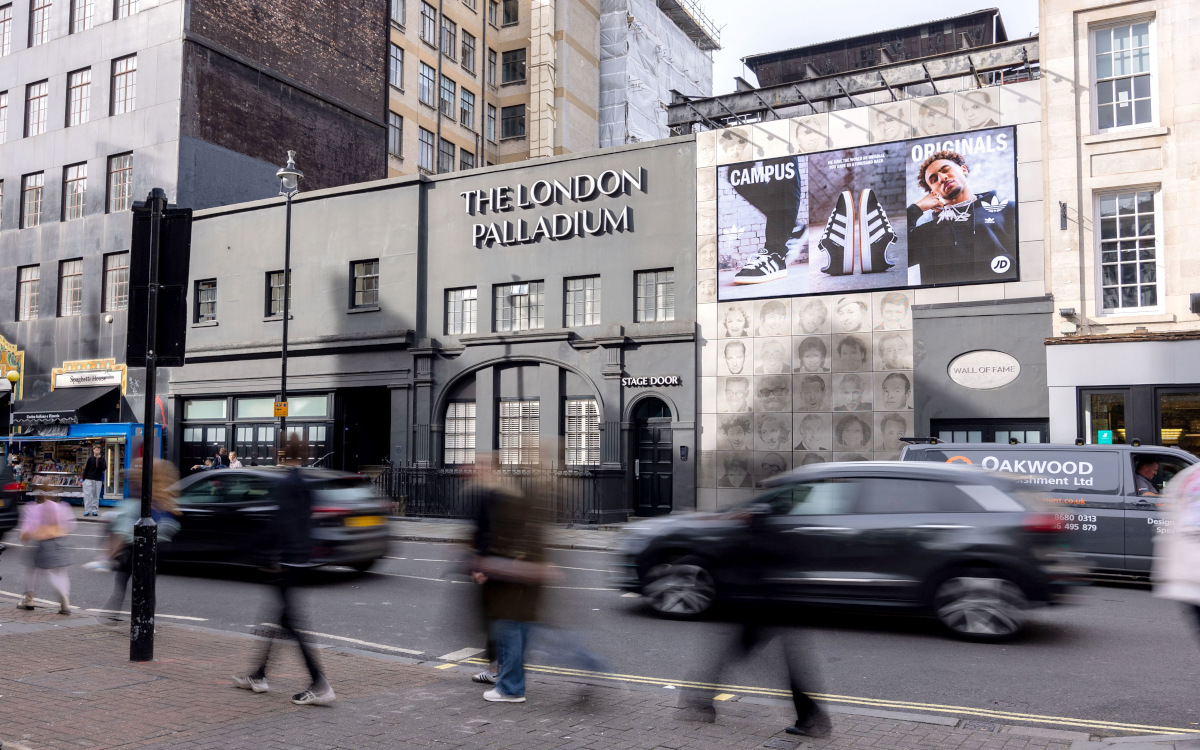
[[66, 682]]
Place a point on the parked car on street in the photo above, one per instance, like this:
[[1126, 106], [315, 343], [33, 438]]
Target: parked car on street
[[1109, 517], [965, 546], [225, 513], [12, 494]]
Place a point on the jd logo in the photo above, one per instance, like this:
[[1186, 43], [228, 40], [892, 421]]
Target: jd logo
[[1001, 263], [959, 460]]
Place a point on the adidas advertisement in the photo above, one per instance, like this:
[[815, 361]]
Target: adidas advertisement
[[932, 211]]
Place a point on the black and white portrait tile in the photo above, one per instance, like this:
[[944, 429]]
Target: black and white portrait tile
[[812, 432], [812, 393], [810, 354]]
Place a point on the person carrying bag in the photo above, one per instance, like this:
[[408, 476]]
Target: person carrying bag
[[44, 523]]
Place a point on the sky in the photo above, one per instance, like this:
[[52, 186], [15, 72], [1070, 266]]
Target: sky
[[781, 24]]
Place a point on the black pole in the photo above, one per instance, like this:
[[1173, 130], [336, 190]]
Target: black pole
[[287, 295], [145, 532]]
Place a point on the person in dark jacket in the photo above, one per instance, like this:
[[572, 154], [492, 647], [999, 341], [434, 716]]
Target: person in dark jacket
[[93, 481], [288, 547]]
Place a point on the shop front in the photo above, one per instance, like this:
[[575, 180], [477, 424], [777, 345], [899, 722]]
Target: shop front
[[1119, 389]]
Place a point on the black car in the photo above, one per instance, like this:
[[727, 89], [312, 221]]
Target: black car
[[12, 494], [963, 545], [225, 511]]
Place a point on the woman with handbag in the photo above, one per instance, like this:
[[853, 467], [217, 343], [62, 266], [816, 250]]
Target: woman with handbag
[[44, 524]]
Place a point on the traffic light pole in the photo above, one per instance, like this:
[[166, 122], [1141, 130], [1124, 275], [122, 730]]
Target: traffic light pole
[[145, 531]]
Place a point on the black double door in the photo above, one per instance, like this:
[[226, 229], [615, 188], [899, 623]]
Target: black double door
[[652, 467]]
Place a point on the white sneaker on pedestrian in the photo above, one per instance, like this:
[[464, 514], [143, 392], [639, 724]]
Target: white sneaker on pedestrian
[[484, 678], [311, 697], [495, 696], [100, 566], [249, 682]]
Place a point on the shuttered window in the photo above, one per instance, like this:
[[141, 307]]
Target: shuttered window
[[460, 433], [583, 432], [519, 427]]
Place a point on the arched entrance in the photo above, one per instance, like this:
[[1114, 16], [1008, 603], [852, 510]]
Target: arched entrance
[[652, 468]]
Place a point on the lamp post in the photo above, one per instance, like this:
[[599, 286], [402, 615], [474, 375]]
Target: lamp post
[[289, 184]]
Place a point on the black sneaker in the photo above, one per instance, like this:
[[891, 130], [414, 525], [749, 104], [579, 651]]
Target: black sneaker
[[875, 234], [761, 267], [816, 724], [838, 239]]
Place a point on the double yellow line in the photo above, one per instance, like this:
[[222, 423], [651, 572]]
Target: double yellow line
[[1013, 716]]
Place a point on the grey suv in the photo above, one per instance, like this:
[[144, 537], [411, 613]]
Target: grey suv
[[960, 544]]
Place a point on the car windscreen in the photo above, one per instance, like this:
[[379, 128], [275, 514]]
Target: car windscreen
[[345, 490]]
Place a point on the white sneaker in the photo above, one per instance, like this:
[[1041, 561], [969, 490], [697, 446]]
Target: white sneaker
[[314, 698], [495, 696], [257, 684], [100, 566], [484, 678]]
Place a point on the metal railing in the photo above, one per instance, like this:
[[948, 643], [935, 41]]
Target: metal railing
[[438, 492]]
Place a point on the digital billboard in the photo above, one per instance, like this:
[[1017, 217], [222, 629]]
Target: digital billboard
[[933, 211]]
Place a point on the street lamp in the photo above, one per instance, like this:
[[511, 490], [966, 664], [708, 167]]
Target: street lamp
[[289, 184]]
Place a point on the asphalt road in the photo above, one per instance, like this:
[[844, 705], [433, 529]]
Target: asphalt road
[[1118, 656]]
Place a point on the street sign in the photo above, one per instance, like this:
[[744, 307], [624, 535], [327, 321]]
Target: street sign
[[281, 409], [1104, 437]]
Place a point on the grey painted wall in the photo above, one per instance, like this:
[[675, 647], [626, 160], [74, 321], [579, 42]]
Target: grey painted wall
[[942, 332]]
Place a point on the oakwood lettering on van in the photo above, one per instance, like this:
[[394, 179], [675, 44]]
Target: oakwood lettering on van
[[1081, 470]]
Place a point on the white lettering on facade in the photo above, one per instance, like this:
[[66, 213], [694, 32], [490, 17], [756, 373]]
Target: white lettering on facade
[[651, 381]]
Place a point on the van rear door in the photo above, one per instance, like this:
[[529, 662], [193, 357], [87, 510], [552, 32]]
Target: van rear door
[[1083, 485]]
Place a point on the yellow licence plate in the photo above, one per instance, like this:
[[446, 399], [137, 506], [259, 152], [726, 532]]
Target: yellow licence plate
[[365, 521]]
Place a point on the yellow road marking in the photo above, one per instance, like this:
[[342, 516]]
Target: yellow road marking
[[873, 702], [446, 666], [723, 697]]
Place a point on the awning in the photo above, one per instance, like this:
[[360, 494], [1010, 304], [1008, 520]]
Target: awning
[[71, 406]]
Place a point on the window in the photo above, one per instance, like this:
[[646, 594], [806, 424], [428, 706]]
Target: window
[[125, 8], [5, 29], [462, 307], [466, 109], [520, 307], [428, 24], [445, 156], [468, 52], [3, 116], [582, 429], [1129, 262], [28, 278], [512, 121], [913, 496], [491, 67], [466, 159], [491, 123], [396, 67], [655, 296], [275, 295], [79, 96], [397, 11], [519, 430], [449, 38], [447, 101], [395, 134], [120, 182], [427, 85], [460, 433], [37, 98], [116, 282], [513, 66], [74, 190], [469, 3], [82, 14], [493, 11], [39, 22], [831, 497], [124, 84], [32, 186], [70, 287], [1, 204], [424, 150], [1123, 76], [364, 283], [583, 301], [206, 301], [510, 12]]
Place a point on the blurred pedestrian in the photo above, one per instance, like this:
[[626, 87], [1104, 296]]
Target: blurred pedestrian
[[44, 523], [756, 625], [512, 570], [482, 491], [93, 481], [221, 458], [287, 554], [1176, 567], [164, 511]]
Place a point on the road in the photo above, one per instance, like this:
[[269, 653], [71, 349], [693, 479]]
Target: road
[[1118, 656]]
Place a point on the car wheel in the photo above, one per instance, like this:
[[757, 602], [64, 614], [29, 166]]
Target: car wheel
[[682, 588], [981, 605], [362, 566]]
